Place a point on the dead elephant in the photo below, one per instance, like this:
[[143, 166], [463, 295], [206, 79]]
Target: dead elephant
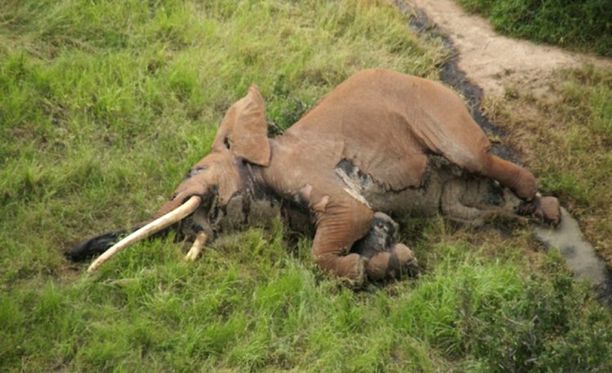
[[382, 144]]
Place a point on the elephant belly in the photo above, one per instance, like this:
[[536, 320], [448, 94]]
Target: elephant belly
[[419, 201]]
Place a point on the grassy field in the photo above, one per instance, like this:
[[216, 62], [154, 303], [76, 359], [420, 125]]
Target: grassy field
[[579, 25], [103, 107], [572, 111]]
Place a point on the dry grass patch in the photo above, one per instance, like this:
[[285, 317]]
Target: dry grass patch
[[562, 125]]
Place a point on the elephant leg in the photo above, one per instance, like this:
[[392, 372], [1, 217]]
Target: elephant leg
[[453, 209], [524, 185], [386, 257], [381, 236], [394, 263], [542, 209], [513, 176], [339, 226]]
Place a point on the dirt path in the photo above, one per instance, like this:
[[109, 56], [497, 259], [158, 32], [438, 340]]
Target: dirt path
[[490, 60]]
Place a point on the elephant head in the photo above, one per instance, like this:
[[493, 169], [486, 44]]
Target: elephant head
[[241, 139], [212, 182]]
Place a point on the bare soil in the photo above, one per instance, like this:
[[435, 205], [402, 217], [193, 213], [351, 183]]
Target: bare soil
[[494, 61]]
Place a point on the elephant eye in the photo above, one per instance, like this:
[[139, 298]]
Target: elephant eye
[[226, 142], [195, 171]]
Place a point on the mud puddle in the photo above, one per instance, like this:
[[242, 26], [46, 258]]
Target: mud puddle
[[579, 254]]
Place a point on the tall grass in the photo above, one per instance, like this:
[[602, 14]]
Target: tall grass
[[105, 104], [152, 311]]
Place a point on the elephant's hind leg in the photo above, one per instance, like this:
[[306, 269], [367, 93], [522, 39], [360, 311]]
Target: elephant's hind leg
[[511, 175], [477, 192], [523, 183]]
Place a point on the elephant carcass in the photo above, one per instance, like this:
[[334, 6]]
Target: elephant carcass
[[380, 145]]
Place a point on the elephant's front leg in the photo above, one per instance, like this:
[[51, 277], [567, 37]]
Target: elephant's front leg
[[341, 221], [386, 257], [351, 242]]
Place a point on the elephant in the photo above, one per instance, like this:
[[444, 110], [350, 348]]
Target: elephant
[[380, 146]]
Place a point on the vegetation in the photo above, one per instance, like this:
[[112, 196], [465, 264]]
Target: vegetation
[[580, 25], [105, 104], [572, 110]]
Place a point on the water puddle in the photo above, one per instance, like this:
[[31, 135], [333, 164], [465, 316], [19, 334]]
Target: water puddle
[[579, 254]]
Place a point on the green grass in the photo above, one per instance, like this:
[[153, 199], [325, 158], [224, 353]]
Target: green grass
[[149, 310], [579, 25], [104, 105], [572, 111]]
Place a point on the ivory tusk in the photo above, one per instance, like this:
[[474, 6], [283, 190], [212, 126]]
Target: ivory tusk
[[146, 231], [197, 246]]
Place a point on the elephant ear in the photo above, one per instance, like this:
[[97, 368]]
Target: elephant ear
[[244, 130]]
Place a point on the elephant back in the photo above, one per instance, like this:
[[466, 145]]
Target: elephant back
[[388, 123]]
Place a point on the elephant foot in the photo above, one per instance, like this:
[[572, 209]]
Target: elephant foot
[[546, 210], [381, 236], [385, 258], [549, 210], [403, 261], [350, 269], [392, 264]]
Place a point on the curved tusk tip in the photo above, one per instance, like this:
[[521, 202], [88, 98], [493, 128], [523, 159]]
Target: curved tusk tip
[[196, 248]]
